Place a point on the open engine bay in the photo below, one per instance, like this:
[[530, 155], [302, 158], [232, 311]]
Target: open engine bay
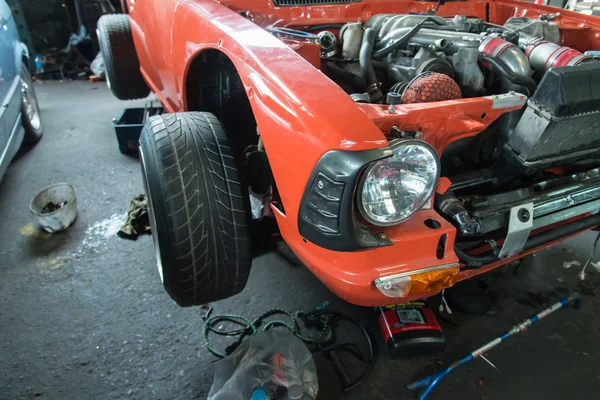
[[531, 167]]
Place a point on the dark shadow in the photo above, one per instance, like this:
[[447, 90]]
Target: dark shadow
[[267, 239], [265, 235], [133, 154], [25, 148], [284, 251]]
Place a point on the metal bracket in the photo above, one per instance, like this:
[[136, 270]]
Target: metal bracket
[[520, 224]]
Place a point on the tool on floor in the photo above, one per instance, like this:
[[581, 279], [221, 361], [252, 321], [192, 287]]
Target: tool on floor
[[411, 329], [430, 382], [320, 320]]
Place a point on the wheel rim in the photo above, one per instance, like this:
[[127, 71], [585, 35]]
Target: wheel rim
[[152, 219], [30, 105], [107, 79], [99, 36]]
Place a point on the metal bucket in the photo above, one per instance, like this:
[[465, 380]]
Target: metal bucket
[[62, 195]]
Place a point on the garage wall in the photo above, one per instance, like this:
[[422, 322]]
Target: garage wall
[[49, 24]]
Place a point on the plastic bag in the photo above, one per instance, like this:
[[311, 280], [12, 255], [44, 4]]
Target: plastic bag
[[98, 67], [275, 361]]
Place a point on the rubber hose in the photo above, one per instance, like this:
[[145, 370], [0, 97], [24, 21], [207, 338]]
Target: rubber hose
[[503, 70], [370, 354], [341, 74], [366, 50], [313, 28], [403, 40], [476, 261]]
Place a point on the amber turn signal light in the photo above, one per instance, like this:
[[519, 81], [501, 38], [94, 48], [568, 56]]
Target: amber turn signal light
[[418, 282]]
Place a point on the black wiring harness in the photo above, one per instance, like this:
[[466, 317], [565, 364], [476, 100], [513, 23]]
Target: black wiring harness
[[318, 320]]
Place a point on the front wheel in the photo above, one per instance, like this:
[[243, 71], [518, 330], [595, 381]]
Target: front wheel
[[30, 110], [198, 207]]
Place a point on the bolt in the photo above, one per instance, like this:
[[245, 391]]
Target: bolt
[[381, 236], [418, 135], [402, 134], [524, 215], [392, 109], [320, 185]]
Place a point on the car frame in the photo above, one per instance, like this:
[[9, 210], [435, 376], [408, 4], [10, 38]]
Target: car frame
[[205, 57]]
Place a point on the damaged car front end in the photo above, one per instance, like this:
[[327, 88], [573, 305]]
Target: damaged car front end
[[518, 166], [406, 145]]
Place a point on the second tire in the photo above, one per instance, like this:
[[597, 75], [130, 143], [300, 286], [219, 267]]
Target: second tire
[[122, 65]]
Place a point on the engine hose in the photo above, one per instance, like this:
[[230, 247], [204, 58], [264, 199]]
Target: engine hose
[[479, 260], [403, 40], [366, 49], [289, 32], [319, 27], [503, 70], [337, 73], [366, 66]]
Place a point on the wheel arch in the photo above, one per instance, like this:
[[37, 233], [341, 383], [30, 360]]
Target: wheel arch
[[212, 83]]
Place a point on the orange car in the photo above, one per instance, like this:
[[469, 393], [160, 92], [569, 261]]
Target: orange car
[[402, 146]]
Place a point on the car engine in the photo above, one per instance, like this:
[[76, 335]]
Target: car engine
[[424, 58], [392, 51], [403, 59]]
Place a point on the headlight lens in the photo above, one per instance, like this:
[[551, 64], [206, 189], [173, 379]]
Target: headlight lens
[[396, 187]]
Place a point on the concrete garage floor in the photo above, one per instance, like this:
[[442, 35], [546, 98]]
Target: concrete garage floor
[[83, 314]]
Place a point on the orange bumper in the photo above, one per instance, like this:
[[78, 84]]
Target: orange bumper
[[416, 246], [350, 275]]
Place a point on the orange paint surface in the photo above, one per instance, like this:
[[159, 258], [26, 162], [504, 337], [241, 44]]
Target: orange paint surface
[[302, 114]]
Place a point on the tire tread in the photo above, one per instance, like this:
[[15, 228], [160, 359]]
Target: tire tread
[[208, 254], [120, 57]]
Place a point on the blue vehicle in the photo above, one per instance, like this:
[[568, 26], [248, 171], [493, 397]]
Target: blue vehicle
[[20, 114]]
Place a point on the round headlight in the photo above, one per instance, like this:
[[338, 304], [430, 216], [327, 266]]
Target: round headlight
[[396, 187]]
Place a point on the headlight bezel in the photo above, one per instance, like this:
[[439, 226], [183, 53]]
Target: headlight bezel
[[394, 145]]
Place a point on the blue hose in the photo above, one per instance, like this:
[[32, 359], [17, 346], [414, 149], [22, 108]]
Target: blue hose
[[431, 382]]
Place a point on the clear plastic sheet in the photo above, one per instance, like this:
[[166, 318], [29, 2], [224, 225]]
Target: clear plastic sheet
[[275, 361]]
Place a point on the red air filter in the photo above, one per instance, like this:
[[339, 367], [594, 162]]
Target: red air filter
[[431, 86]]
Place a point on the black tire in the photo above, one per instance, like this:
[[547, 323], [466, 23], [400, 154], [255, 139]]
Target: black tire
[[199, 208], [30, 110], [122, 65]]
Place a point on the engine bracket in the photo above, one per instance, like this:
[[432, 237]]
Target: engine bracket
[[520, 224]]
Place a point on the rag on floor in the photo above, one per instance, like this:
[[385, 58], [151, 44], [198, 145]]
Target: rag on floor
[[138, 221]]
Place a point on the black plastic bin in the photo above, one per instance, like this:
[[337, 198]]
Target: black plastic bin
[[128, 126]]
